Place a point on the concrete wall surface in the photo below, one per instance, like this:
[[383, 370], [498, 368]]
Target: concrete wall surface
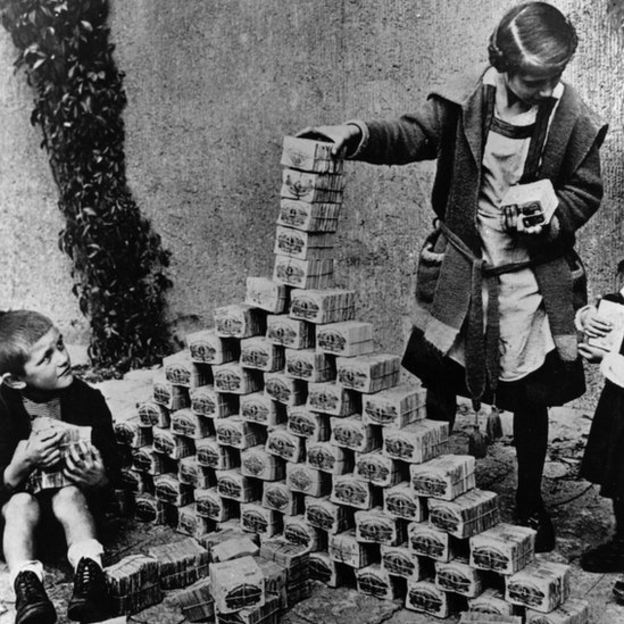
[[213, 85]]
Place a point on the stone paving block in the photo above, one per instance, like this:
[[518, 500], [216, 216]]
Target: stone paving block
[[341, 606]]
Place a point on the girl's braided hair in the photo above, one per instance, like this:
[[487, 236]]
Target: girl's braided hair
[[535, 37]]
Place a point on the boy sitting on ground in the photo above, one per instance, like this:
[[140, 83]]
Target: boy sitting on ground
[[49, 469]]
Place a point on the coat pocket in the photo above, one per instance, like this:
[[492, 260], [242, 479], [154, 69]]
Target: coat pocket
[[429, 265]]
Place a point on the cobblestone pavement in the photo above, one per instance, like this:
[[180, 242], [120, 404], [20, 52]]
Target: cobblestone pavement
[[582, 519]]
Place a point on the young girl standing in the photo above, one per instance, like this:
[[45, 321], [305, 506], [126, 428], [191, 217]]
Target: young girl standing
[[495, 295]]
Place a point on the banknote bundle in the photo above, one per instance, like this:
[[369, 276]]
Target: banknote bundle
[[284, 444], [211, 454], [378, 469], [313, 273], [284, 388], [169, 395], [490, 602], [181, 371], [211, 505], [347, 338], [375, 580], [263, 293], [395, 407], [400, 501], [326, 457], [196, 602], [418, 442], [312, 426], [373, 526], [572, 611], [260, 408], [541, 585], [331, 398], [327, 516], [324, 569], [206, 347], [239, 320], [303, 245], [131, 432], [368, 373], [268, 613], [428, 541], [238, 433], [193, 474], [168, 443], [146, 459], [257, 462], [445, 477], [232, 484], [191, 523], [147, 508], [133, 584], [308, 217], [311, 187], [260, 353], [237, 584], [186, 422], [307, 480], [152, 414], [354, 434], [459, 577], [181, 563], [322, 306], [289, 332], [309, 365], [345, 548], [468, 514], [350, 490], [505, 548], [168, 489], [425, 596], [401, 561], [236, 379], [258, 519], [297, 530], [310, 154]]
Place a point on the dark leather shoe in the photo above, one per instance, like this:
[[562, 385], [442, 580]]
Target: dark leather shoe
[[32, 604], [89, 602], [540, 521], [607, 557]]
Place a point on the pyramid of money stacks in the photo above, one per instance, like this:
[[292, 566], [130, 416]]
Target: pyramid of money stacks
[[284, 448]]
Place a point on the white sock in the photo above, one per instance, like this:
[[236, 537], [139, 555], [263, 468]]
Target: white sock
[[32, 565], [90, 548]]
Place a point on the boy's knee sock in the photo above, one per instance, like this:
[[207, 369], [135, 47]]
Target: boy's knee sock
[[531, 440], [90, 548], [30, 565]]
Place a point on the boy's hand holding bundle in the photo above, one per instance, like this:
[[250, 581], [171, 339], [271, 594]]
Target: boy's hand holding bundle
[[84, 465], [529, 208], [43, 448]]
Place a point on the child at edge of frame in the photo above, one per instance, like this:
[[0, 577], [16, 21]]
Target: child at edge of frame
[[40, 402], [603, 462], [511, 125]]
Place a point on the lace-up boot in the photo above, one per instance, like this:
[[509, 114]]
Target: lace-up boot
[[32, 604], [89, 600]]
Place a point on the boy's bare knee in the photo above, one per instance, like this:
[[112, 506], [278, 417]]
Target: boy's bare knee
[[69, 501], [22, 507]]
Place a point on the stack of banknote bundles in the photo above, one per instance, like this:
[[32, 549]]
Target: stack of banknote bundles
[[346, 338], [375, 580], [133, 584], [180, 563], [237, 584], [505, 548], [298, 530], [459, 577], [425, 596], [376, 527], [196, 601], [368, 373], [312, 426], [468, 514], [180, 370], [541, 585], [572, 611], [258, 519], [192, 523], [395, 407], [402, 561], [260, 408], [445, 477]]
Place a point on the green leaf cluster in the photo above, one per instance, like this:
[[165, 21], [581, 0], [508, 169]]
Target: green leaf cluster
[[119, 264]]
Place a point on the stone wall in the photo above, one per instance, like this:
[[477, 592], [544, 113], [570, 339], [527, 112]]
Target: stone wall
[[212, 88]]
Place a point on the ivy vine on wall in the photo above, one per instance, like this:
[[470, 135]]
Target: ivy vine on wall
[[118, 260]]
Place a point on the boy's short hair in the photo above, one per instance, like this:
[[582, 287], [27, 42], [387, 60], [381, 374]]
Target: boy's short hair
[[19, 331]]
